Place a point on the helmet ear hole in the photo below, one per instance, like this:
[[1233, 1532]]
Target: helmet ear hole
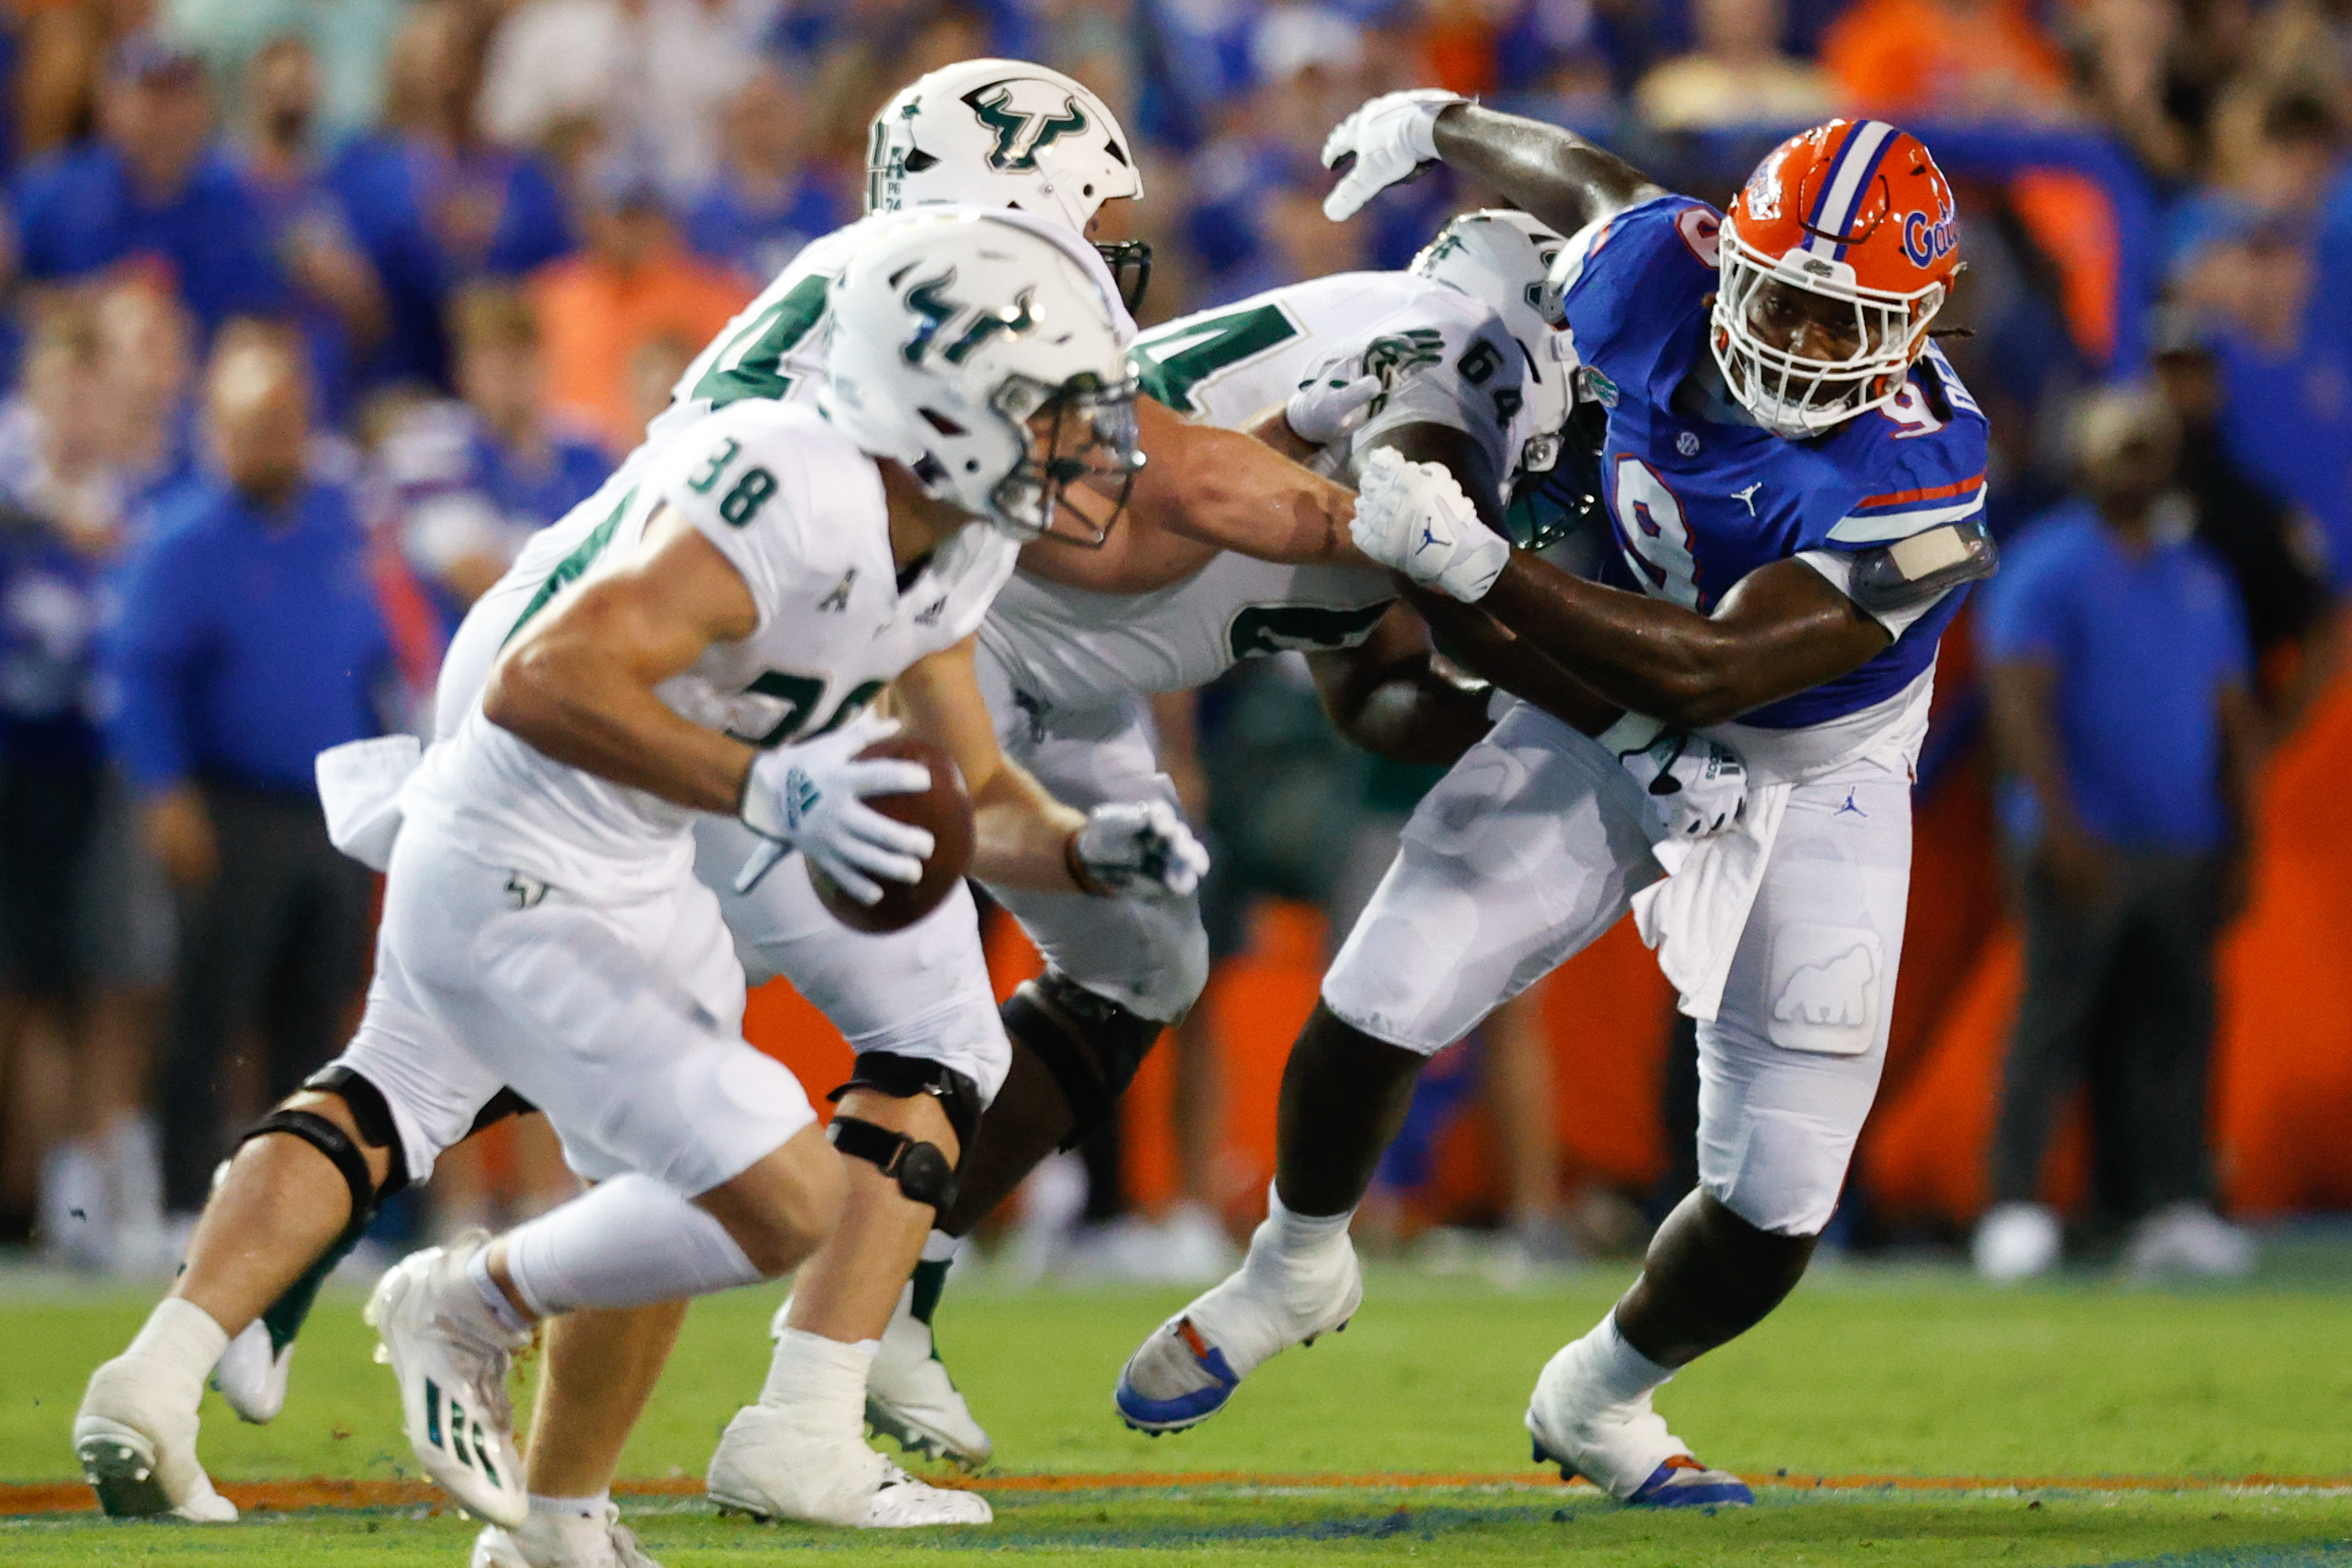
[[940, 422], [917, 160]]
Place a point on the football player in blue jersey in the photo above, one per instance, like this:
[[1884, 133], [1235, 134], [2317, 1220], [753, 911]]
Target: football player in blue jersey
[[1793, 480]]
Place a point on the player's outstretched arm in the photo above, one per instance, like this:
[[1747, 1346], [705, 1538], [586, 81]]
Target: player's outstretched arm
[[1226, 489], [578, 683], [1784, 628], [1020, 833], [1203, 489], [1550, 172]]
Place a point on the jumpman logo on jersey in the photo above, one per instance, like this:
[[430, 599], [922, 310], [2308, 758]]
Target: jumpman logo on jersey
[[838, 600], [1749, 495], [1849, 806]]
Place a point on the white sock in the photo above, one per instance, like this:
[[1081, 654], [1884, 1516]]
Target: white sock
[[180, 1341], [1298, 1233], [940, 1247], [822, 1382], [135, 1173], [1618, 1370], [572, 1507], [628, 1242], [493, 1297]]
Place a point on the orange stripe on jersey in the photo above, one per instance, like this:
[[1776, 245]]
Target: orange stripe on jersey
[[1938, 493]]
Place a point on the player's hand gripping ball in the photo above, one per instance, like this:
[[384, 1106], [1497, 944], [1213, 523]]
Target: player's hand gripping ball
[[884, 858], [943, 810]]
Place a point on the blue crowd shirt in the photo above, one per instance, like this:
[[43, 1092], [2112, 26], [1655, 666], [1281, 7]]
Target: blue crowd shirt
[[48, 627], [2288, 416], [2141, 648], [760, 239], [78, 213], [1697, 503], [242, 644], [394, 190]]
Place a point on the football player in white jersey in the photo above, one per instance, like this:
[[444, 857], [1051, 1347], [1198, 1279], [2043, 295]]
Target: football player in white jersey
[[715, 653], [580, 769]]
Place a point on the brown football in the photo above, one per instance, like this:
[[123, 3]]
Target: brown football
[[945, 808]]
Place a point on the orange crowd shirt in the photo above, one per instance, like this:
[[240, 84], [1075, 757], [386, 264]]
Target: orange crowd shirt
[[1944, 58], [594, 318]]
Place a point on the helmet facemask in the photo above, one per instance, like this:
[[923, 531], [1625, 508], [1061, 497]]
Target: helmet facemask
[[1762, 304], [1083, 433]]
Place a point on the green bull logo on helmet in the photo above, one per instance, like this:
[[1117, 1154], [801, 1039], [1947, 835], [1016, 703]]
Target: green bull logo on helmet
[[1024, 130]]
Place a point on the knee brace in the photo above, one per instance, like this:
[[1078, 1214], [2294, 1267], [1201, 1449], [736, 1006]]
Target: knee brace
[[1091, 1045], [373, 1119], [922, 1171]]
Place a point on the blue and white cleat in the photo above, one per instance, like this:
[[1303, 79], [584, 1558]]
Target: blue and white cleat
[[1623, 1448], [1192, 1362]]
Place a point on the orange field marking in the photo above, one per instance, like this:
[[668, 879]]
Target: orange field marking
[[317, 1492]]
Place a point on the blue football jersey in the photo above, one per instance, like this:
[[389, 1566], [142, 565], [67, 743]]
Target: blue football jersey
[[1695, 504]]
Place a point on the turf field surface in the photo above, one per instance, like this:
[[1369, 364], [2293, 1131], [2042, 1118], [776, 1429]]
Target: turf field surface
[[2074, 1423]]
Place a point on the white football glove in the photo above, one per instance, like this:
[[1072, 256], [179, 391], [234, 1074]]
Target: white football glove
[[1697, 786], [1137, 849], [809, 797], [1389, 137], [1414, 518], [1327, 409]]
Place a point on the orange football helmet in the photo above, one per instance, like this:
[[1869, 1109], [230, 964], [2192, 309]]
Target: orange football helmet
[[1835, 256]]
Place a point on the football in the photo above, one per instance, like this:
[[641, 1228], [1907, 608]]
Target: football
[[945, 809]]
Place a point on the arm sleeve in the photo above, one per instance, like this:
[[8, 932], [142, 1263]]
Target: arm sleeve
[[146, 657]]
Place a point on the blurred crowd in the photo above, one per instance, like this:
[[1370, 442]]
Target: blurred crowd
[[316, 308]]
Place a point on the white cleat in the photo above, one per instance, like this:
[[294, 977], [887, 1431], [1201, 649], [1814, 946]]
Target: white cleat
[[2190, 1239], [770, 1467], [1192, 1362], [251, 1376], [452, 1358], [1624, 1447], [561, 1540], [140, 1459], [909, 1397], [2016, 1241]]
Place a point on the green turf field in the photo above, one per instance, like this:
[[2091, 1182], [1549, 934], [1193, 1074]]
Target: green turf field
[[2007, 1418]]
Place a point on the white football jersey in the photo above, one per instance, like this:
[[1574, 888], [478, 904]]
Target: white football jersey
[[799, 512], [1445, 359]]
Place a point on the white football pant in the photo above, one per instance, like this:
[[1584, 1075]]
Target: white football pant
[[1534, 845]]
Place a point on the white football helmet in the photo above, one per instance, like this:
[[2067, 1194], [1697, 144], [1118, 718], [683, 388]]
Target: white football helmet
[[1500, 257], [1000, 133], [954, 329]]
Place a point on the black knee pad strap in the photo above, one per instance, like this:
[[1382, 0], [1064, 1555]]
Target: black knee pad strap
[[1092, 1045], [904, 1077], [372, 1115], [330, 1140], [921, 1171]]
